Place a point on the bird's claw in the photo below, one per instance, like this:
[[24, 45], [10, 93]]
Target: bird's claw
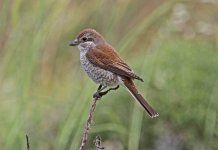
[[97, 95]]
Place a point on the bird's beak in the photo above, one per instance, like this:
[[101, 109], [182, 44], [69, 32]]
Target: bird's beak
[[74, 43]]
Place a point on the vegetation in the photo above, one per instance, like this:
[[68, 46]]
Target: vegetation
[[46, 94]]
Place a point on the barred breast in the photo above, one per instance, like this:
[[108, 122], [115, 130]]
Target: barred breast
[[98, 75]]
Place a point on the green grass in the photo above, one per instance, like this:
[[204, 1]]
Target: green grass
[[45, 93]]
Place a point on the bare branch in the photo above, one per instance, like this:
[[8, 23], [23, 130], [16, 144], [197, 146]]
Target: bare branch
[[88, 124], [98, 143], [27, 143], [97, 96]]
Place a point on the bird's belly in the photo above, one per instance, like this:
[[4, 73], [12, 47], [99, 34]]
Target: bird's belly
[[99, 75]]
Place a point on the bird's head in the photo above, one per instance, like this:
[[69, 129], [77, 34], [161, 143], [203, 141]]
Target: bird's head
[[88, 38]]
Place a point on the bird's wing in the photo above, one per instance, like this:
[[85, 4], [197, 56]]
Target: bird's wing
[[107, 58]]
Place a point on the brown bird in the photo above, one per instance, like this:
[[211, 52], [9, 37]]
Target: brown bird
[[104, 66]]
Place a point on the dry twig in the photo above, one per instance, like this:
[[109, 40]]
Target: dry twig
[[27, 143], [98, 143], [97, 96], [88, 124]]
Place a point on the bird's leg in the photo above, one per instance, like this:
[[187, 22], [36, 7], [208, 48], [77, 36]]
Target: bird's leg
[[99, 88], [115, 88], [105, 92], [97, 94]]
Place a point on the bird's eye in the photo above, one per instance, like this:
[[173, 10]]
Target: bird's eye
[[84, 39]]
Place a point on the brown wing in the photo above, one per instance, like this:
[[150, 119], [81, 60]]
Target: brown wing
[[107, 58]]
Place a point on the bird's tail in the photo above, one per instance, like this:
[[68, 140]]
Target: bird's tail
[[134, 92]]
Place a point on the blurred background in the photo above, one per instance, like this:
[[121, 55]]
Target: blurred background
[[44, 93]]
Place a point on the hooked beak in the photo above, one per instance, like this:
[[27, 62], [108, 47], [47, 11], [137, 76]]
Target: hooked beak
[[74, 43]]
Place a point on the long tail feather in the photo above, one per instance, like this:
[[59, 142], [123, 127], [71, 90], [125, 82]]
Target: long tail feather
[[134, 92]]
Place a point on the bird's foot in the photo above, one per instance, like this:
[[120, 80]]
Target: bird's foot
[[97, 95]]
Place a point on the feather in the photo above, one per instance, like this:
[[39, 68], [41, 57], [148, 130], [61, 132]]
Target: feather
[[105, 57], [134, 92]]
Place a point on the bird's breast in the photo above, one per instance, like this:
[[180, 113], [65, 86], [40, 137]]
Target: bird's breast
[[97, 74]]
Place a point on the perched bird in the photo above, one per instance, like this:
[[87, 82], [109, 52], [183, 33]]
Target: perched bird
[[105, 67]]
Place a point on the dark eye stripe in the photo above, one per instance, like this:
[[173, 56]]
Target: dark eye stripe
[[89, 39], [84, 39]]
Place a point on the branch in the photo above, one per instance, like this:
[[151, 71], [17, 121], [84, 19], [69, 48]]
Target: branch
[[98, 143], [27, 143], [88, 124]]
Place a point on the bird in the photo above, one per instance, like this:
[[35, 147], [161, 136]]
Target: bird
[[105, 67]]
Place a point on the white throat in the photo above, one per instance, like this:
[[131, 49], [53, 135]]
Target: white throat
[[84, 47]]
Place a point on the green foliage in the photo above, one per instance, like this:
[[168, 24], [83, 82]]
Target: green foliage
[[45, 93]]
